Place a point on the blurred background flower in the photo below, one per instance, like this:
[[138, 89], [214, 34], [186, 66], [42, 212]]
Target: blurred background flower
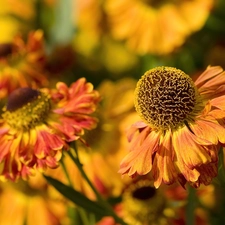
[[16, 17], [156, 27], [22, 64], [32, 203]]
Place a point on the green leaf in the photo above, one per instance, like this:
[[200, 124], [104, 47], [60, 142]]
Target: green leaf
[[77, 198]]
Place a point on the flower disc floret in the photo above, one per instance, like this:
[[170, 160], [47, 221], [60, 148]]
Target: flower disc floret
[[165, 97]]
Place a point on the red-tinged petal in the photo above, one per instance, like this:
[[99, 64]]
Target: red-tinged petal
[[72, 129], [26, 151], [52, 162], [4, 148], [53, 141], [163, 169], [139, 160], [188, 150], [207, 173], [213, 151], [46, 143], [26, 172], [78, 98], [4, 130]]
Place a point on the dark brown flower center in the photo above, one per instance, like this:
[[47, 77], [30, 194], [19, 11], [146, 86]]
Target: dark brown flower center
[[144, 193], [164, 97], [21, 97], [5, 50], [158, 3], [26, 108]]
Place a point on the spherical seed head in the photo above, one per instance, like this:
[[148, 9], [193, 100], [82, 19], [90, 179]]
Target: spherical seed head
[[164, 97]]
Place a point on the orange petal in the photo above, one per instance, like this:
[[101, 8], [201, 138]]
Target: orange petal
[[219, 102], [210, 74], [209, 130], [163, 169], [139, 160], [188, 149]]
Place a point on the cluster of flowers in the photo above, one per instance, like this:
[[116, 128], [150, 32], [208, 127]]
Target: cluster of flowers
[[177, 139]]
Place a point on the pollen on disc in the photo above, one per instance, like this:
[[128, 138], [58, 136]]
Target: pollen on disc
[[164, 97]]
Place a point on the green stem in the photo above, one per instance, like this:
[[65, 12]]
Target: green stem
[[191, 204], [98, 196], [81, 211], [66, 172]]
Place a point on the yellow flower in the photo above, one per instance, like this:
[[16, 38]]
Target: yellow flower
[[22, 64], [20, 201], [88, 17], [37, 125], [142, 204], [156, 27], [181, 129], [93, 42]]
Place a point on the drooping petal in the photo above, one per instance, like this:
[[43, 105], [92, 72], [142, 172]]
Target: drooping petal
[[135, 127], [218, 102], [188, 150], [209, 130], [207, 173], [163, 169], [139, 159]]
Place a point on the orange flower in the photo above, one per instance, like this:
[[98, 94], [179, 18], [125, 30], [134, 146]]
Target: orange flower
[[157, 27], [181, 129], [37, 124], [22, 64]]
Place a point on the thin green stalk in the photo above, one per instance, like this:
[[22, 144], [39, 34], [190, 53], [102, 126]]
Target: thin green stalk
[[81, 211], [98, 196], [191, 204], [83, 216], [66, 173]]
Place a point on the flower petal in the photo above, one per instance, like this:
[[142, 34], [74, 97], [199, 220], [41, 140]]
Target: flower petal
[[219, 102], [209, 77], [139, 160], [188, 149], [209, 130], [163, 169]]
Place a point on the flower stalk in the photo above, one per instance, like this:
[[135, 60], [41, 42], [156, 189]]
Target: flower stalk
[[100, 199]]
